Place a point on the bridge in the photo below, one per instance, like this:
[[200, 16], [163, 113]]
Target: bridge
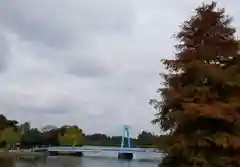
[[123, 152], [92, 149]]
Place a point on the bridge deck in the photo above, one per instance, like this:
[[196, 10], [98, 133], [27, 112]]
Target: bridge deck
[[89, 149]]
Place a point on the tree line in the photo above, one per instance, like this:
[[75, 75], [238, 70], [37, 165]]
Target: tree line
[[12, 133]]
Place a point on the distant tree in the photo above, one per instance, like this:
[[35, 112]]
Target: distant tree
[[24, 128], [98, 136], [12, 123], [3, 122], [51, 137], [146, 138], [10, 136], [33, 137], [72, 136], [200, 105], [145, 134]]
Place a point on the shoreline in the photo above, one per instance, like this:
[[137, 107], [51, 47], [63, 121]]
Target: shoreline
[[18, 154]]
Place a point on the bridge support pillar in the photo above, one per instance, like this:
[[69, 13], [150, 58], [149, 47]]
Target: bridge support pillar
[[53, 153], [128, 156], [78, 154]]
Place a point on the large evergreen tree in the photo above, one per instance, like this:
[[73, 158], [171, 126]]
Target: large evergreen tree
[[200, 106]]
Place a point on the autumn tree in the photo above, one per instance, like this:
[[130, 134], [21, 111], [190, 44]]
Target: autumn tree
[[200, 105], [72, 136], [10, 136]]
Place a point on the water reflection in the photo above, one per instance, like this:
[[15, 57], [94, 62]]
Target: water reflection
[[22, 163], [79, 162], [125, 163], [30, 163], [63, 162], [7, 163]]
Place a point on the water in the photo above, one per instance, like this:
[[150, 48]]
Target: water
[[92, 159], [83, 162], [114, 154]]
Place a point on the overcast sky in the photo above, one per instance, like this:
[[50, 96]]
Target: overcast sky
[[93, 63]]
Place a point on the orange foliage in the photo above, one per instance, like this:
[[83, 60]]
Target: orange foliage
[[200, 105]]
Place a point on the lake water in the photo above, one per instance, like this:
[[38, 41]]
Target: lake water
[[84, 162], [114, 154], [93, 159]]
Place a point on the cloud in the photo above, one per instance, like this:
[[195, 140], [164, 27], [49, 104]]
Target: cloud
[[60, 23], [91, 63], [4, 51]]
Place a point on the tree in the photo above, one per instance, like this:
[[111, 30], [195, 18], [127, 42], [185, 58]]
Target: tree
[[24, 128], [146, 138], [72, 136], [10, 136], [200, 106], [33, 137], [3, 122]]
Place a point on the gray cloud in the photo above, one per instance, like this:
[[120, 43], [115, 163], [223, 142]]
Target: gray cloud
[[59, 23], [4, 51], [91, 63]]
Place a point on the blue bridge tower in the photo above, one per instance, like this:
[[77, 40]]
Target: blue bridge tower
[[126, 132], [125, 155]]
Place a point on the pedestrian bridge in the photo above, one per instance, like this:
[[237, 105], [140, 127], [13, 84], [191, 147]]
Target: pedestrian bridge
[[100, 149], [123, 152]]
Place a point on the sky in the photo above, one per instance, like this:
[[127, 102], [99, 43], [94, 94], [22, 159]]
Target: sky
[[91, 63]]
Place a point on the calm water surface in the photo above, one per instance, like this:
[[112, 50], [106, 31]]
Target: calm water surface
[[91, 159], [84, 162]]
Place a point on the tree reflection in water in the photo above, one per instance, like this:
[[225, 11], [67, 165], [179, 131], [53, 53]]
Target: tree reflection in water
[[66, 161], [7, 162]]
